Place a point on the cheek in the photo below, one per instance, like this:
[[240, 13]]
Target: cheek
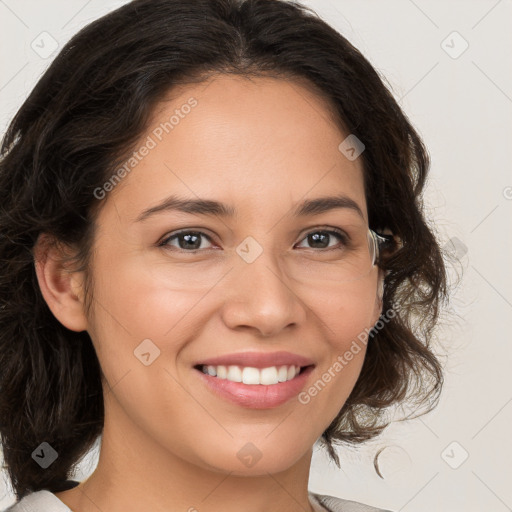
[[140, 328], [345, 318], [344, 313], [131, 306]]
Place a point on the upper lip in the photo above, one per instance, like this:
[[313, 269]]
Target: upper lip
[[257, 360]]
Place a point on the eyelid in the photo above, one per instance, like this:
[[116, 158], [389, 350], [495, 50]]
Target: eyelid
[[315, 229]]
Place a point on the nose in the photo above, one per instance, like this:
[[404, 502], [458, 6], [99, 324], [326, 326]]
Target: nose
[[260, 298]]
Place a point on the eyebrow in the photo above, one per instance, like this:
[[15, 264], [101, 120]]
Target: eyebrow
[[308, 207]]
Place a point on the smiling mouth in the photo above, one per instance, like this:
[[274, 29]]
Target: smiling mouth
[[253, 376]]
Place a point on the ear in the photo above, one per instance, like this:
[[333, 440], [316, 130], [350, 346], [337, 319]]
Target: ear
[[62, 290]]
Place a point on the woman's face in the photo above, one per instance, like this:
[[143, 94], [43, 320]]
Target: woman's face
[[247, 297]]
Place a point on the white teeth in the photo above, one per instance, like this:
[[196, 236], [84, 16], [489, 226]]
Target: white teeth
[[269, 376], [234, 374], [250, 375], [282, 374]]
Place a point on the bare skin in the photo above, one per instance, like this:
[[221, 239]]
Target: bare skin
[[170, 444]]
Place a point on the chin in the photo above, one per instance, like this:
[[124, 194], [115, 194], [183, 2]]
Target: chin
[[255, 458]]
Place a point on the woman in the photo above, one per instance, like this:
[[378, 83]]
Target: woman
[[214, 256]]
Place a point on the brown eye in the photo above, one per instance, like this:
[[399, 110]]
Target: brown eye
[[188, 241], [322, 239]]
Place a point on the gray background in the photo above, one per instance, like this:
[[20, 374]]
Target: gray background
[[460, 100]]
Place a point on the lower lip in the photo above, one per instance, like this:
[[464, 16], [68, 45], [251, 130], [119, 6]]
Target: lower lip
[[257, 396]]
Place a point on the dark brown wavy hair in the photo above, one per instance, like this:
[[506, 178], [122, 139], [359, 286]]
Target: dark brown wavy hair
[[84, 117]]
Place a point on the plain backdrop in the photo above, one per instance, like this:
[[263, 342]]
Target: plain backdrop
[[448, 64]]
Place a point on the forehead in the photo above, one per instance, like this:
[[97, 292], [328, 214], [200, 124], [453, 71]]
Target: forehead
[[260, 141]]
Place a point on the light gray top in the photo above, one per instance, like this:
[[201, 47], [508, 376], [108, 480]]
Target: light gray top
[[46, 501]]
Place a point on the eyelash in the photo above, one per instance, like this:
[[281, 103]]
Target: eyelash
[[331, 231]]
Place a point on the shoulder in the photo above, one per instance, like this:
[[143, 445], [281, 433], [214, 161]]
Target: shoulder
[[39, 501], [333, 504]]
